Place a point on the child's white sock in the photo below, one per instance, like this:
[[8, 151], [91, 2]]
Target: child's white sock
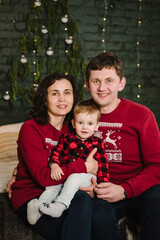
[[53, 209], [33, 213]]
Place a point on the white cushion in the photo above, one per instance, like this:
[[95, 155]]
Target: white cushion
[[8, 152]]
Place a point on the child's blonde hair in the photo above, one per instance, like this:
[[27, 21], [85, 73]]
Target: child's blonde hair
[[87, 106]]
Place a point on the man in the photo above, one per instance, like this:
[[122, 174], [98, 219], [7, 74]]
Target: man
[[132, 142]]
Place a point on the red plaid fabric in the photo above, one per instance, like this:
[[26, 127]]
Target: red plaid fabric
[[70, 148]]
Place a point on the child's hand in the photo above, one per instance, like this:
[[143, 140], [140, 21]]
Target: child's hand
[[56, 172]]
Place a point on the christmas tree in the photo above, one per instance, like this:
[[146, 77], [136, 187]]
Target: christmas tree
[[50, 43]]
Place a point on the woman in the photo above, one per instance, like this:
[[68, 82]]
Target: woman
[[52, 104]]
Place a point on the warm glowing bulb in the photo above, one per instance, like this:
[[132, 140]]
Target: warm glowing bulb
[[139, 85], [138, 65], [66, 29], [66, 73], [35, 16], [104, 19], [34, 51], [104, 50], [137, 43], [139, 21], [103, 40], [103, 29], [35, 74], [138, 96], [34, 62], [66, 51]]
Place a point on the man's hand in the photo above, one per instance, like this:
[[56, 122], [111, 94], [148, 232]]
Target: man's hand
[[91, 163], [10, 183], [90, 190], [56, 172], [109, 192]]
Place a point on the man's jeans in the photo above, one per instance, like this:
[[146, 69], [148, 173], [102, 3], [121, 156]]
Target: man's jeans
[[144, 209]]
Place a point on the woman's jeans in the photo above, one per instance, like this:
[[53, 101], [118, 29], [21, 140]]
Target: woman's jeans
[[75, 223], [144, 209]]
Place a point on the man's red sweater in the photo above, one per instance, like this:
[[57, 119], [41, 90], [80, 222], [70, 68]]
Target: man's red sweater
[[132, 143]]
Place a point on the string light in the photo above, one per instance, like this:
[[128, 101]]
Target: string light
[[68, 38], [139, 22], [104, 25], [37, 4], [34, 57]]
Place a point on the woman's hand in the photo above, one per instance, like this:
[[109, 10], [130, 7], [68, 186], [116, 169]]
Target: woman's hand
[[56, 172], [90, 190], [91, 163], [10, 183]]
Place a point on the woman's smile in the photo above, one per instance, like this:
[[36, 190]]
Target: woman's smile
[[62, 106]]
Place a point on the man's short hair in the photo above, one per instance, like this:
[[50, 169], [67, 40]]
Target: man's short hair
[[105, 60]]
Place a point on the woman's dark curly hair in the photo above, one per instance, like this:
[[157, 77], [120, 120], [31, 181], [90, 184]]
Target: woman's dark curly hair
[[39, 111]]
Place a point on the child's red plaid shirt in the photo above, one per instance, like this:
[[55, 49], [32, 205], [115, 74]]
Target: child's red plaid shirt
[[70, 148]]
